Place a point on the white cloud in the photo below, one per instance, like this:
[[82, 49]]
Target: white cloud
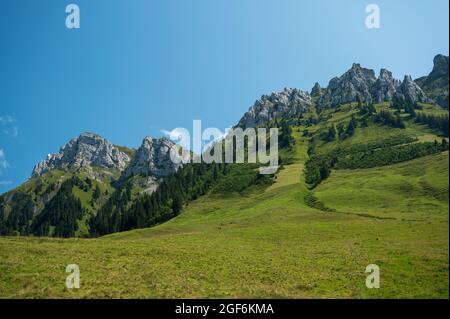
[[180, 136], [3, 163], [12, 131], [15, 131], [7, 126], [6, 119]]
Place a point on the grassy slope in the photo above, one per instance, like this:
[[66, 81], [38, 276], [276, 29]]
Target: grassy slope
[[414, 190], [266, 243], [376, 132]]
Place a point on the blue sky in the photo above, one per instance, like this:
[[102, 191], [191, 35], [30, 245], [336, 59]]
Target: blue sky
[[138, 67]]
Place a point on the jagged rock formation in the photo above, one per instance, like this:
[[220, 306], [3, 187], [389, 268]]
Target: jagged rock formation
[[360, 84], [354, 84], [436, 84], [410, 92], [385, 88], [153, 159], [316, 90], [87, 150], [289, 103], [440, 67]]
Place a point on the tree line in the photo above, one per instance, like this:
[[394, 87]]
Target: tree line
[[436, 122], [380, 153]]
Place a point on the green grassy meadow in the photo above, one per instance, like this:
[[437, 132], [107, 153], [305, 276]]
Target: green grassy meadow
[[265, 242]]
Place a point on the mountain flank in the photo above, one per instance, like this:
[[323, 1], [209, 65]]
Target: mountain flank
[[92, 187]]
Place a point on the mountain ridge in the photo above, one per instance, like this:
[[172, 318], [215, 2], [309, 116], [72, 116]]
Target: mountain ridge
[[88, 149], [358, 84]]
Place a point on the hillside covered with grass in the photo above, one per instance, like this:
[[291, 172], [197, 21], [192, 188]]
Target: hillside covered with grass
[[283, 239], [363, 179]]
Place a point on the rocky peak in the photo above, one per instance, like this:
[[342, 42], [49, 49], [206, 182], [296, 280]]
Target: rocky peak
[[86, 150], [358, 71], [385, 87], [352, 85], [440, 66], [411, 92], [435, 84], [316, 90], [385, 75], [289, 103], [153, 159], [356, 67], [360, 84]]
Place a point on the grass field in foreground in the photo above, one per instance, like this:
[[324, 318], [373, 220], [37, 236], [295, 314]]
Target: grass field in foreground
[[266, 243]]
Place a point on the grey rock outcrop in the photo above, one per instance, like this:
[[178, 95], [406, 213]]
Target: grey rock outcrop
[[289, 103], [354, 84], [436, 84], [385, 88], [360, 84], [153, 159], [316, 90], [440, 66], [87, 150], [411, 92]]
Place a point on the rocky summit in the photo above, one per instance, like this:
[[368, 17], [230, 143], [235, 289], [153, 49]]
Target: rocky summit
[[316, 90], [86, 150], [436, 84], [354, 84], [360, 84], [411, 92], [385, 87], [153, 159], [289, 103], [440, 67]]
